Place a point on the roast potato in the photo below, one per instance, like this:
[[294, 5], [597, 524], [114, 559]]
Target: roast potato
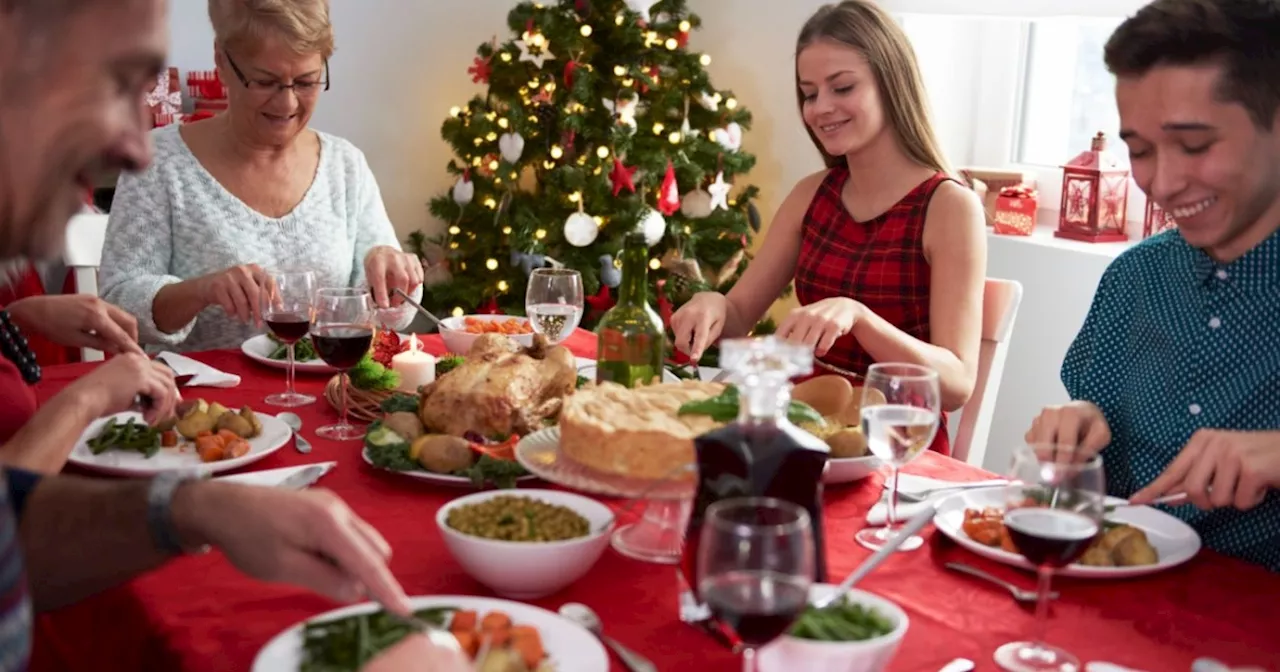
[[241, 426], [1134, 549], [216, 410], [442, 453], [828, 395], [194, 423], [254, 422], [407, 425], [847, 442]]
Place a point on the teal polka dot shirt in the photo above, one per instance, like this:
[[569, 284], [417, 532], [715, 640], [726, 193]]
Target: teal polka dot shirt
[[1174, 343]]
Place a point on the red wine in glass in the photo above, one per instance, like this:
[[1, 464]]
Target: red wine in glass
[[288, 327], [1052, 537], [758, 606], [342, 346], [286, 308]]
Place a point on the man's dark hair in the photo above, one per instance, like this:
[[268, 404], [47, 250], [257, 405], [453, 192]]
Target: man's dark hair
[[1241, 35]]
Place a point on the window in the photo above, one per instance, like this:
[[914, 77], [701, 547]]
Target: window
[[1067, 94]]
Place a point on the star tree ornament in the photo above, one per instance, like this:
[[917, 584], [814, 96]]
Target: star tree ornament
[[540, 52], [719, 191], [464, 189], [480, 70], [622, 177], [624, 110], [580, 229], [669, 193]]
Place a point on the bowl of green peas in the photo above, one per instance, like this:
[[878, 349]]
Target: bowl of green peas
[[857, 633]]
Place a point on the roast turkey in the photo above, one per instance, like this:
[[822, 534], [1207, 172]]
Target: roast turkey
[[500, 389]]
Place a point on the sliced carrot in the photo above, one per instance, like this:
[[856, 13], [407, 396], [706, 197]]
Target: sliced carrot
[[463, 621], [210, 448], [169, 439], [469, 641], [235, 448], [495, 620], [528, 643]]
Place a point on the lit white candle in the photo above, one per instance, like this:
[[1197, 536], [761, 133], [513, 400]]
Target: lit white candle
[[416, 368]]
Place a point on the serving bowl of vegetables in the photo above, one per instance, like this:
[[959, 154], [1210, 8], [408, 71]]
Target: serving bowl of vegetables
[[858, 633], [525, 543], [460, 332]]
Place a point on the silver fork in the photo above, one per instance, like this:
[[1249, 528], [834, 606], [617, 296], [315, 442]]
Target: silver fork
[[1019, 594]]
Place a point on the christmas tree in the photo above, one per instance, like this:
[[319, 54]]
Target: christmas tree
[[597, 120]]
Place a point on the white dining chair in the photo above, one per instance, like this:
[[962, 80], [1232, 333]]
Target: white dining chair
[[1000, 301], [82, 256]]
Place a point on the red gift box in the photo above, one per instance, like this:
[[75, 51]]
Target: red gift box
[[1016, 210], [165, 98]]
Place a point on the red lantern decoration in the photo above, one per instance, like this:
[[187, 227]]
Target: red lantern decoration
[[1095, 196], [1156, 220]]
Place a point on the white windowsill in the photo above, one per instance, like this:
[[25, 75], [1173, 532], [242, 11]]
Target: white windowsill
[[1042, 236]]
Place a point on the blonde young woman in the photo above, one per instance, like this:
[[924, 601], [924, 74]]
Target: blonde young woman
[[887, 251], [253, 189]]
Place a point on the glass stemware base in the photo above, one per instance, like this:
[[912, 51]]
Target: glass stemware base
[[1035, 657], [342, 431], [875, 537], [290, 400]]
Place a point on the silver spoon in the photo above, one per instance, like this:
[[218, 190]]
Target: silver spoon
[[295, 424], [584, 616], [1019, 594]]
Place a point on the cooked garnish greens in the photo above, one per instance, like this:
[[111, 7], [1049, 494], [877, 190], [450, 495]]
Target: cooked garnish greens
[[131, 435], [400, 402], [388, 450], [510, 518], [303, 350], [842, 621], [346, 644], [724, 408], [448, 363]]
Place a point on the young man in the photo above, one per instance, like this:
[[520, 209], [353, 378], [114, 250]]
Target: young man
[[72, 78], [1176, 372]]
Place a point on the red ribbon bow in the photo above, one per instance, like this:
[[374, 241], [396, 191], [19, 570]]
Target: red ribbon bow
[[1020, 191]]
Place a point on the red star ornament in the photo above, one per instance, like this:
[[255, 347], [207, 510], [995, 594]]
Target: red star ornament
[[621, 177], [601, 302], [682, 39], [480, 70], [669, 194]]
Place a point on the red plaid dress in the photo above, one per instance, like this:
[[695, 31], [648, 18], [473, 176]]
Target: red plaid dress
[[879, 263]]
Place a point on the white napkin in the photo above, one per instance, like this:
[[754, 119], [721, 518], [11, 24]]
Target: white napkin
[[272, 477], [908, 483], [205, 375]]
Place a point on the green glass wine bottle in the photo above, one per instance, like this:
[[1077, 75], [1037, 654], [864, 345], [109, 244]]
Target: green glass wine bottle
[[630, 337]]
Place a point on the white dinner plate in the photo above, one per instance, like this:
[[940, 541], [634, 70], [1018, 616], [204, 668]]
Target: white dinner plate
[[569, 647], [181, 458], [431, 477], [1175, 541], [260, 347], [587, 368]]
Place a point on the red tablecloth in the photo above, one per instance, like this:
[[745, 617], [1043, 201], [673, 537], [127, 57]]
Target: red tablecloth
[[200, 614]]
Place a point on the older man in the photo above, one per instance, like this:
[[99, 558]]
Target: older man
[[1176, 371], [72, 77]]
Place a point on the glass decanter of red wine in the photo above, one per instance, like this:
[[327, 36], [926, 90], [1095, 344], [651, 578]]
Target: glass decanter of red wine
[[1054, 506], [755, 566], [286, 309], [342, 332]]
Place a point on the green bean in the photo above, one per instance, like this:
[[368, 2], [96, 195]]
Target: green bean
[[841, 622]]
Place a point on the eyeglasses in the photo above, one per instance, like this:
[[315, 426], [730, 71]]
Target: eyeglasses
[[270, 87]]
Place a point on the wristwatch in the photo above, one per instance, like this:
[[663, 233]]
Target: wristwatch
[[160, 512]]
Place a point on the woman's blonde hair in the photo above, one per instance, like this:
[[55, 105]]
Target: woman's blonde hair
[[861, 25], [303, 24]]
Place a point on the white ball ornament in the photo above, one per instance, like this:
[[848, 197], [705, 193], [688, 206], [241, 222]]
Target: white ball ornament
[[580, 229]]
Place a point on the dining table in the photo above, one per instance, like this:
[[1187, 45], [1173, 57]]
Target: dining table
[[198, 613]]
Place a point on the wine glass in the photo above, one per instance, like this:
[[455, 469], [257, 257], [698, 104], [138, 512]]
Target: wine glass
[[286, 308], [342, 332], [1054, 505], [553, 302], [900, 411], [755, 566]]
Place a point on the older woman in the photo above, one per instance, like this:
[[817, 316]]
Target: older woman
[[191, 239]]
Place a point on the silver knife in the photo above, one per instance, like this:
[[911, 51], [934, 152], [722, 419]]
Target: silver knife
[[304, 477]]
